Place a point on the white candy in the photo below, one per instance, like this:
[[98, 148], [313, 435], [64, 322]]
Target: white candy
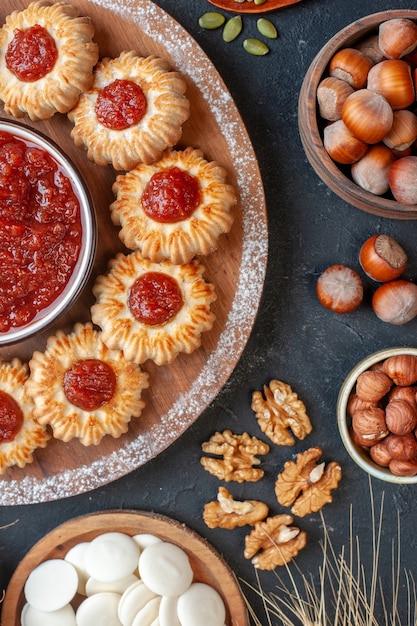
[[165, 568], [202, 605], [117, 586], [168, 611], [149, 613], [61, 617], [106, 569], [99, 610], [111, 556], [144, 540], [133, 600], [51, 585], [76, 556]]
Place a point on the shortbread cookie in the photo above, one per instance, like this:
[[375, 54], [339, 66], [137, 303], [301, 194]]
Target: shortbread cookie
[[152, 310], [20, 432], [47, 55], [133, 111], [173, 209], [84, 390]]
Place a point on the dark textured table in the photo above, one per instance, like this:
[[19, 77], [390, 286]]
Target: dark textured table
[[294, 339]]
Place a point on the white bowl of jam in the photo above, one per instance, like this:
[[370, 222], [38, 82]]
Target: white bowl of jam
[[48, 232]]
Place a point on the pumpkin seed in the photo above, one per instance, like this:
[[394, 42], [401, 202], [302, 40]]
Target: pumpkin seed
[[211, 20], [255, 47], [232, 29], [267, 28], [259, 1], [240, 1]]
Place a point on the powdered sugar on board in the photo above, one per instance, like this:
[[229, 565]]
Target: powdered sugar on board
[[248, 289]]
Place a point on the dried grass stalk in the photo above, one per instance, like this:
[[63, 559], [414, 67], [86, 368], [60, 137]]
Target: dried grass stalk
[[348, 593]]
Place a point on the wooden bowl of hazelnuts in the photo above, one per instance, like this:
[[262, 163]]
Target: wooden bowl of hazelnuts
[[357, 114], [377, 414]]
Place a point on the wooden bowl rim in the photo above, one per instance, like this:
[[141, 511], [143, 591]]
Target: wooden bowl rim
[[310, 135]]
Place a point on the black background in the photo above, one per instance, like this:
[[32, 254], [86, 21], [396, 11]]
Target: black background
[[294, 339]]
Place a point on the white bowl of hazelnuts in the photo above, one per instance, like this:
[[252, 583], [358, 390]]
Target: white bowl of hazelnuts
[[377, 414], [357, 114]]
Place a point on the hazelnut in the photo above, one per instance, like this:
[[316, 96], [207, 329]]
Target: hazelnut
[[360, 441], [381, 256], [395, 302], [341, 145], [402, 369], [352, 66], [401, 417], [370, 47], [371, 172], [403, 468], [403, 179], [397, 37], [379, 453], [331, 95], [370, 424], [393, 79], [367, 115], [371, 386], [402, 447], [404, 393], [403, 132], [355, 403]]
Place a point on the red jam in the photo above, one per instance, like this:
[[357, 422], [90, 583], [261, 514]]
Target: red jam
[[89, 384], [171, 196], [155, 298], [31, 54], [40, 231], [11, 417], [120, 104]]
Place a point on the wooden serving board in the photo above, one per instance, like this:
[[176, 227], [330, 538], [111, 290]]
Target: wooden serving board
[[180, 392], [207, 564]]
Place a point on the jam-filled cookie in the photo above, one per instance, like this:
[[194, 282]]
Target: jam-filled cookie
[[133, 111], [47, 57], [173, 209], [20, 433], [152, 310], [84, 390]]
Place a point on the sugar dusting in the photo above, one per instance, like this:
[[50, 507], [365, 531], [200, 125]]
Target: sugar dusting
[[192, 61]]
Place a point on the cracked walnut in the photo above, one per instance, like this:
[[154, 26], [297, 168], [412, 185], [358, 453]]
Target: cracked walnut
[[279, 412], [307, 485], [274, 542], [239, 456], [229, 513]]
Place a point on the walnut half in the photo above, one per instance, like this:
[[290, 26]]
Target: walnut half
[[279, 412], [307, 485], [229, 513], [239, 456], [274, 542]]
